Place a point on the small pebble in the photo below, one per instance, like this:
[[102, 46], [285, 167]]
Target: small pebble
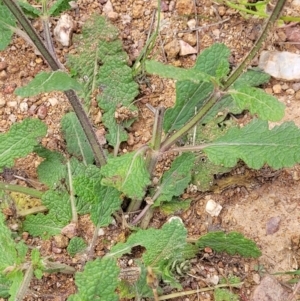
[[3, 65], [296, 86], [213, 208], [12, 104], [297, 95], [164, 6], [191, 23], [12, 118], [2, 102], [172, 49], [290, 92], [53, 101], [32, 110], [24, 106], [256, 278], [172, 5], [3, 75], [277, 89], [42, 112], [272, 225]]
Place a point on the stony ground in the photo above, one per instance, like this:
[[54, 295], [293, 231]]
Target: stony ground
[[263, 205]]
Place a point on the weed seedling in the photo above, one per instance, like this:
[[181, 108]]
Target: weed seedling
[[205, 94]]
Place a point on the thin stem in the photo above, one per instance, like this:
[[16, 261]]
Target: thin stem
[[22, 290], [191, 292], [71, 95], [26, 190], [216, 96], [72, 197], [153, 154], [253, 52]]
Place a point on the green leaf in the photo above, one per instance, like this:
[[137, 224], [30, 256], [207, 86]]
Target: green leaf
[[17, 278], [189, 98], [127, 174], [52, 169], [58, 203], [256, 145], [171, 242], [225, 295], [47, 82], [77, 143], [7, 23], [5, 284], [231, 243], [20, 140], [109, 201], [58, 7], [101, 65], [98, 281], [214, 60], [29, 10], [175, 206], [104, 200], [253, 78], [76, 245], [175, 180], [43, 225], [266, 106], [181, 74]]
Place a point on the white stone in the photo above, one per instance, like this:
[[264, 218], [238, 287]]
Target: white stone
[[186, 48], [213, 208], [191, 24], [101, 232], [24, 106], [214, 279], [63, 30], [281, 65], [53, 101]]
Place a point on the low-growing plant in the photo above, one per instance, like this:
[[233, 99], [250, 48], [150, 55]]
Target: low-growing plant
[[77, 186]]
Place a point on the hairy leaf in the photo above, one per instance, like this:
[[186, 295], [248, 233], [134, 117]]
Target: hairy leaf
[[20, 140], [59, 203], [127, 174], [189, 98], [101, 65], [109, 201], [175, 180], [175, 205], [76, 245], [43, 225], [181, 74], [163, 245], [58, 7], [214, 61], [225, 295], [231, 243], [256, 145], [52, 169], [5, 284], [77, 143], [98, 281], [266, 106], [29, 10], [7, 22], [47, 82], [11, 256], [253, 78], [104, 200]]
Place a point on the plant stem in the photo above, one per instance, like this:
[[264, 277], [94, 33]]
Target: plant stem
[[216, 96], [255, 49], [153, 154], [72, 197], [18, 188], [71, 95], [22, 289], [191, 292]]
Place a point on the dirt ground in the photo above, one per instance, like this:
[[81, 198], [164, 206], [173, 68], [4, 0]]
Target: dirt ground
[[263, 205]]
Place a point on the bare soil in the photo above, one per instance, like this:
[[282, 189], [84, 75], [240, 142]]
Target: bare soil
[[263, 205]]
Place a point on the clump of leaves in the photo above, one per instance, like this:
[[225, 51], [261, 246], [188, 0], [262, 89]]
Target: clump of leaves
[[204, 97]]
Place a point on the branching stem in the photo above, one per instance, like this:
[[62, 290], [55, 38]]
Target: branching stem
[[216, 96], [18, 188]]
